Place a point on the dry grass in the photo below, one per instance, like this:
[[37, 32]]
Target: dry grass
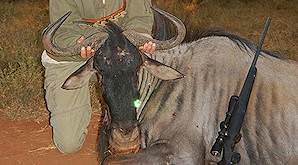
[[20, 70], [21, 74]]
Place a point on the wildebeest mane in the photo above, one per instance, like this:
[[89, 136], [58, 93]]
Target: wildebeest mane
[[241, 42], [163, 29]]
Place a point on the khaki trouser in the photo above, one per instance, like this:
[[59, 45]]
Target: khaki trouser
[[70, 110]]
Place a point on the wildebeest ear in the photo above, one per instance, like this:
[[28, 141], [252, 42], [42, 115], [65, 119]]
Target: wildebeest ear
[[160, 70], [80, 77]]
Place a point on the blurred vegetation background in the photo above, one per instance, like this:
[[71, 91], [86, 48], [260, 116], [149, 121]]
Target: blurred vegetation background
[[22, 21]]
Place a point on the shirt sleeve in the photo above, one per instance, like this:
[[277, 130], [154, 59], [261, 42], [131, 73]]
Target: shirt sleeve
[[139, 16], [68, 34]]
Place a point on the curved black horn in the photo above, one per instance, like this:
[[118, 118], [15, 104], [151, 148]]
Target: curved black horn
[[94, 40], [139, 39]]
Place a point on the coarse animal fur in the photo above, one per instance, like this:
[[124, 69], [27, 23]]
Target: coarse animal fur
[[185, 113]]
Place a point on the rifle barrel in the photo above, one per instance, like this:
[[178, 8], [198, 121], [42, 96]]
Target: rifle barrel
[[238, 112], [261, 40]]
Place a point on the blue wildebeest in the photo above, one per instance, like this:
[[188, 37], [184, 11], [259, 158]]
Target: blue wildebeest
[[184, 91]]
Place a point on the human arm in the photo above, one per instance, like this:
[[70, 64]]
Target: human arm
[[140, 18], [69, 33]]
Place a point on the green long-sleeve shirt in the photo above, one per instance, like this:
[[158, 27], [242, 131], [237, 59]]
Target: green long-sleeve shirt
[[139, 17]]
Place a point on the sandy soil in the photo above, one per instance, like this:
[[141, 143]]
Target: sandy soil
[[29, 143]]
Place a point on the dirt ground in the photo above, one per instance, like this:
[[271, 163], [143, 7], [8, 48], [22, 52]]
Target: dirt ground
[[27, 142]]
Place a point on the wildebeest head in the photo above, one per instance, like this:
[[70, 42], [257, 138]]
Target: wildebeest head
[[117, 59]]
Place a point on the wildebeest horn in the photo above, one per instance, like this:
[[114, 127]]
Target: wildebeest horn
[[139, 39], [94, 40]]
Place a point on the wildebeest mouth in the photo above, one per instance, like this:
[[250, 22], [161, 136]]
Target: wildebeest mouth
[[124, 141], [97, 38]]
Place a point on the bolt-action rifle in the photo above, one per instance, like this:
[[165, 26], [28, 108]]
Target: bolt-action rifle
[[229, 133]]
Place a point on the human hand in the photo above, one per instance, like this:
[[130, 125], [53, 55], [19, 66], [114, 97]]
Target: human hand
[[86, 52], [148, 47]]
